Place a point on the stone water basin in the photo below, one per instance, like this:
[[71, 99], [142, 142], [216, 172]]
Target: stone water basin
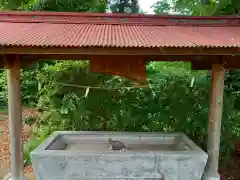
[[86, 155]]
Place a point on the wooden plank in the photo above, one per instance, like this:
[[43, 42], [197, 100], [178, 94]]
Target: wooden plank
[[26, 60], [124, 57], [134, 68], [199, 62], [214, 124], [230, 62], [7, 60]]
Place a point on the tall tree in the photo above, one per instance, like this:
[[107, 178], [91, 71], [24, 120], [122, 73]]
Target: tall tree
[[11, 4], [56, 5], [198, 7], [117, 6], [135, 6], [121, 6]]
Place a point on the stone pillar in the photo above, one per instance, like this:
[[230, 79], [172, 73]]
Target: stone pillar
[[15, 118], [214, 124]]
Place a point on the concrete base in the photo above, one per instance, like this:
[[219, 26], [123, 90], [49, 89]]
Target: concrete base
[[23, 178], [208, 177], [86, 155]]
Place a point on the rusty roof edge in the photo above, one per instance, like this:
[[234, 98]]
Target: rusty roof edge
[[116, 18]]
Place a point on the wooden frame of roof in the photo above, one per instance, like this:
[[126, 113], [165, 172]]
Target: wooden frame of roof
[[200, 62], [121, 51], [207, 42]]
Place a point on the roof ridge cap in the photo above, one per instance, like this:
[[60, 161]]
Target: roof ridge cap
[[118, 19]]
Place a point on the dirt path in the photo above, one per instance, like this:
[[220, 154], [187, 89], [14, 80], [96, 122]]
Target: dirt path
[[5, 141]]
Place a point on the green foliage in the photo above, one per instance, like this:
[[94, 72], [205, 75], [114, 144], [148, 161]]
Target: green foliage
[[29, 88], [29, 120], [196, 8], [68, 103], [4, 109], [135, 8], [56, 5], [161, 7], [231, 121], [1, 117], [3, 88], [28, 148], [71, 6], [124, 6], [11, 4], [34, 142], [171, 103]]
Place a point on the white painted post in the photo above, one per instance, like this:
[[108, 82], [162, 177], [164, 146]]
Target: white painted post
[[214, 124], [15, 119]]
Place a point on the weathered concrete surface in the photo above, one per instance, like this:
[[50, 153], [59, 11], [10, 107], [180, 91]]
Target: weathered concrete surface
[[50, 163]]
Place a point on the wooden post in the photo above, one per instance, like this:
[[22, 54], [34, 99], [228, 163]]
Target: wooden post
[[214, 124], [15, 119]]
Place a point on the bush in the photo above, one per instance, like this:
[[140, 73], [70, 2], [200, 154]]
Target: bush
[[29, 87], [42, 133], [171, 104], [29, 120], [3, 88]]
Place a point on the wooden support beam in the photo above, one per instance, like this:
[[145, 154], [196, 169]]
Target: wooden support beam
[[121, 51], [214, 124], [28, 60], [187, 58], [199, 62], [7, 59], [230, 62], [15, 118]]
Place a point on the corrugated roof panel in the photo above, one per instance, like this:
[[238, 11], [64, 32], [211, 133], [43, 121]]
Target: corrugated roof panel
[[86, 35], [43, 29]]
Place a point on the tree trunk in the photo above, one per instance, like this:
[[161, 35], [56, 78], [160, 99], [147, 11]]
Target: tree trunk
[[135, 6]]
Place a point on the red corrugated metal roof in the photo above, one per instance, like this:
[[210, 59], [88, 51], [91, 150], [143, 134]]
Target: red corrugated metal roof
[[41, 29]]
